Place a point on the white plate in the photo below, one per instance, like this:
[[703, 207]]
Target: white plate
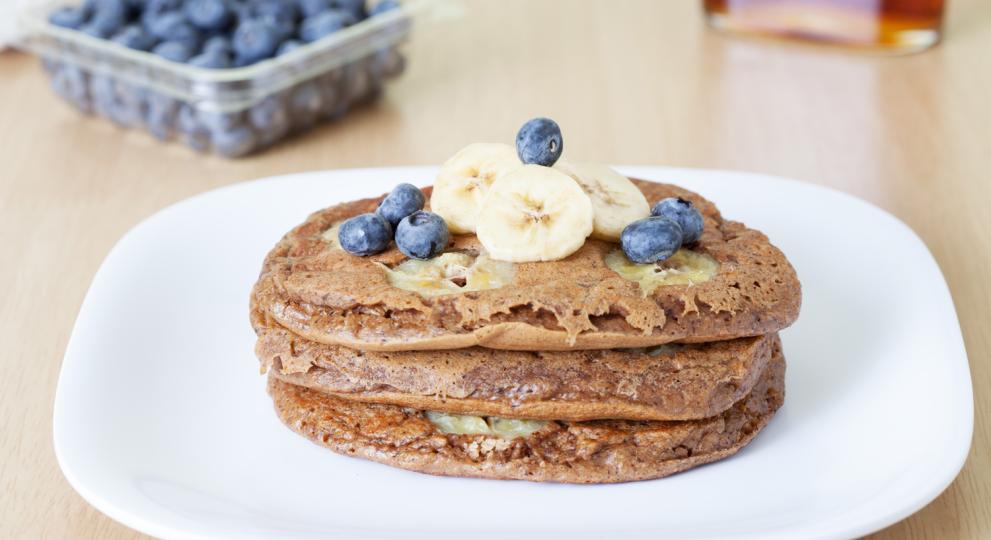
[[162, 420]]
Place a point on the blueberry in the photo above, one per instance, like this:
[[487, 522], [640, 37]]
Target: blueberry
[[335, 110], [159, 124], [107, 19], [383, 6], [217, 43], [685, 214], [278, 9], [101, 90], [130, 104], [401, 202], [186, 120], [70, 83], [329, 87], [160, 115], [162, 102], [286, 28], [194, 134], [177, 51], [95, 30], [122, 115], [539, 141], [155, 9], [242, 12], [229, 133], [157, 26], [131, 93], [422, 235], [306, 102], [234, 142], [240, 62], [173, 26], [358, 83], [324, 24], [288, 47], [50, 64], [118, 102], [111, 12], [135, 37], [355, 7], [255, 40], [364, 235], [650, 240], [199, 140], [309, 8], [211, 60], [208, 14], [280, 14], [69, 17], [270, 119], [221, 121], [387, 63]]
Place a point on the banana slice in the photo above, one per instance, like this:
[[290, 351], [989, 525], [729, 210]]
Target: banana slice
[[685, 267], [450, 273], [464, 181], [616, 201], [534, 214]]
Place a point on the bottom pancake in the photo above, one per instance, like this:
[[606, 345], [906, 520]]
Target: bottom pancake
[[598, 451]]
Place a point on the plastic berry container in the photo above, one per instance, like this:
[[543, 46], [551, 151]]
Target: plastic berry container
[[231, 112]]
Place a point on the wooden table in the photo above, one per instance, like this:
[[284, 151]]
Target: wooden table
[[637, 82]]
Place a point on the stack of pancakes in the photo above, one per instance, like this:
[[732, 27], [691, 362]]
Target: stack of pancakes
[[562, 371]]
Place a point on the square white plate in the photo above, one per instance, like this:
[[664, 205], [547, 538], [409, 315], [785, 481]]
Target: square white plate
[[162, 420]]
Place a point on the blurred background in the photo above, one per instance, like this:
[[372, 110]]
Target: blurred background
[[873, 107]]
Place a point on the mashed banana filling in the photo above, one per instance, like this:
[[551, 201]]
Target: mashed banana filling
[[330, 236], [506, 428], [656, 350], [685, 267], [450, 273]]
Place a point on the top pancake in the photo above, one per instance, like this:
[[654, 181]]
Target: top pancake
[[322, 293]]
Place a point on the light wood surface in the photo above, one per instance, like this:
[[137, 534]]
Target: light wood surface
[[635, 82]]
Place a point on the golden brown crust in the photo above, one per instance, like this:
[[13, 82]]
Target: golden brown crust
[[329, 296], [680, 382], [600, 451]]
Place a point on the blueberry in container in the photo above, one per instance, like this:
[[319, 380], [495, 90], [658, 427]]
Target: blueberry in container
[[229, 77]]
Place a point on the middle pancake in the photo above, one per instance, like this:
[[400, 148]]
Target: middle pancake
[[668, 382]]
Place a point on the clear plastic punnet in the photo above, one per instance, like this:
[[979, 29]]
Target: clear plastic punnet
[[231, 112]]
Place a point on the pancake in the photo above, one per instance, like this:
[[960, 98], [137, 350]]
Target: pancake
[[600, 451], [668, 382], [313, 288]]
